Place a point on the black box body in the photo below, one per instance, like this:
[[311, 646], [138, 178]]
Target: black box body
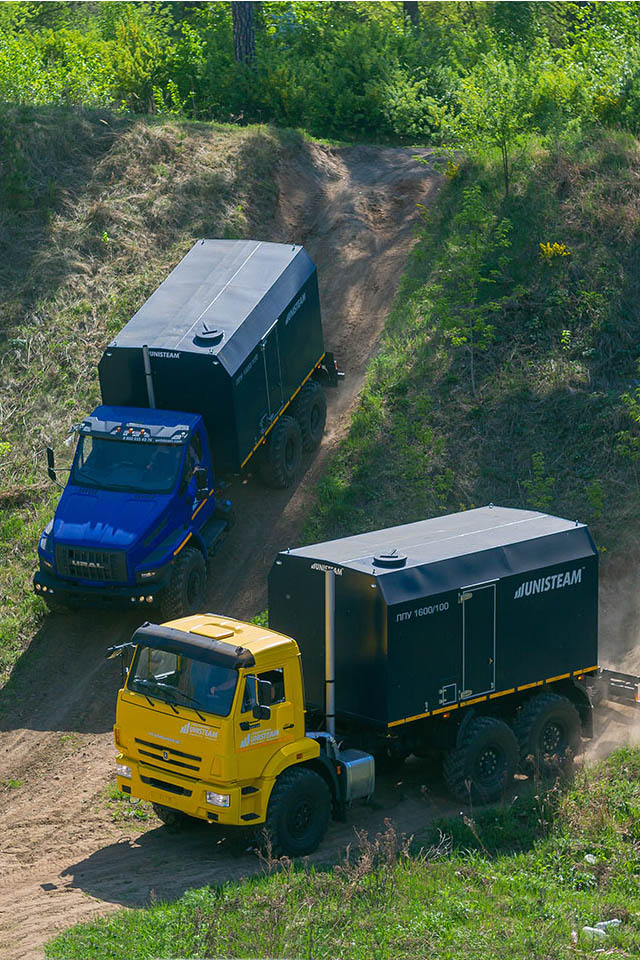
[[232, 333], [479, 603]]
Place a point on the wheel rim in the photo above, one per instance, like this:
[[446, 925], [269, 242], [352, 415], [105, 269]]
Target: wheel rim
[[552, 739], [490, 765], [300, 818], [290, 454], [194, 588], [314, 419]]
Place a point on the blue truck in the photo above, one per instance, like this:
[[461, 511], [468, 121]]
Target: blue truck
[[221, 368]]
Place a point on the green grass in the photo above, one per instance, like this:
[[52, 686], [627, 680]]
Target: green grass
[[387, 899], [546, 427], [95, 209]]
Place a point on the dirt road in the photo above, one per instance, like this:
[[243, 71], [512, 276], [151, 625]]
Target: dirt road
[[62, 857]]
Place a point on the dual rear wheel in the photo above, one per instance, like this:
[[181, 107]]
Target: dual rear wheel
[[543, 738], [296, 432]]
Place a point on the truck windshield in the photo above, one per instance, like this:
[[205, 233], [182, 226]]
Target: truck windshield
[[178, 680], [125, 465]]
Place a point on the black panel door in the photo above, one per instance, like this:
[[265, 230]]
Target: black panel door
[[478, 630], [272, 372]]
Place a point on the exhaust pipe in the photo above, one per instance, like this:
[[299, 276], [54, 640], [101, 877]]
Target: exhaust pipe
[[148, 377], [330, 651]]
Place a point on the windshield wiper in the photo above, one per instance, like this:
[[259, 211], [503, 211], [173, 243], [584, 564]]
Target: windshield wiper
[[160, 685], [188, 696]]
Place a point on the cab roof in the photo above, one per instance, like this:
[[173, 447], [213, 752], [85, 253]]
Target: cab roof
[[139, 424], [235, 639]]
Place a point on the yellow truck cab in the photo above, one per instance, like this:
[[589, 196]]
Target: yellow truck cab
[[210, 724]]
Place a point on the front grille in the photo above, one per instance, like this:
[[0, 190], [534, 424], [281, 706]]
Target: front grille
[[163, 785], [163, 754], [83, 564]]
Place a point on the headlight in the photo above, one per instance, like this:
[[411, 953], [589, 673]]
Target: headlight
[[123, 770], [44, 544], [218, 799]]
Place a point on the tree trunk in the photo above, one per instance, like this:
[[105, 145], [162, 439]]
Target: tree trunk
[[244, 37], [411, 10]]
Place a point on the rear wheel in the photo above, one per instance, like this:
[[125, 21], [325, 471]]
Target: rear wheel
[[298, 813], [548, 731], [484, 762], [310, 410], [283, 454], [186, 590]]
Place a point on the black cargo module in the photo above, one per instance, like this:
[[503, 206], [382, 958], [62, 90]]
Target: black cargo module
[[442, 613], [232, 333]]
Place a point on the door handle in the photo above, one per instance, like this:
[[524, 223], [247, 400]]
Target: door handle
[[246, 725], [288, 726], [490, 660]]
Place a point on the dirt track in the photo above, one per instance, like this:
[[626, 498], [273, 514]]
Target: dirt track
[[62, 858]]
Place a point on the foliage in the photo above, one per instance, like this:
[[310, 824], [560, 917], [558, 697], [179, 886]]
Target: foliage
[[480, 75], [566, 858], [556, 381]]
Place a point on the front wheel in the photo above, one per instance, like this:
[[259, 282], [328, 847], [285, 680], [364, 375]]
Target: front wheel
[[173, 820], [186, 590], [298, 813]]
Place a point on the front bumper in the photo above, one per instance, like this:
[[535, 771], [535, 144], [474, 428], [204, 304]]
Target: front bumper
[[97, 594], [187, 795]]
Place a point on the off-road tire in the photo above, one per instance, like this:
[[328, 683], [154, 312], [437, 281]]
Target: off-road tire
[[548, 731], [186, 590], [298, 813], [57, 607], [282, 456], [173, 820], [310, 410], [484, 762]]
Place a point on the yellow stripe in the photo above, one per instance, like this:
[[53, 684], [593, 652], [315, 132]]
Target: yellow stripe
[[201, 505], [289, 401], [395, 723], [585, 670], [453, 706], [502, 693], [561, 676], [418, 716], [467, 703], [527, 686], [175, 552]]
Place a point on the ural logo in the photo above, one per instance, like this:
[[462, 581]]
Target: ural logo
[[259, 736], [165, 754], [85, 563], [197, 730], [531, 587]]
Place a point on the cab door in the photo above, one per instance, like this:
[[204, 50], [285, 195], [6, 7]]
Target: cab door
[[257, 740]]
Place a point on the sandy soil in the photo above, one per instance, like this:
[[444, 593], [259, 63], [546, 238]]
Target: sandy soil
[[62, 857]]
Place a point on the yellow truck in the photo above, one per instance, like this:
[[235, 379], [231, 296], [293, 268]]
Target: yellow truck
[[472, 636], [210, 724]]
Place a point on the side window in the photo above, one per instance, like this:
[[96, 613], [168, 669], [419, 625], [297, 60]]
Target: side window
[[276, 679], [193, 458], [250, 695]]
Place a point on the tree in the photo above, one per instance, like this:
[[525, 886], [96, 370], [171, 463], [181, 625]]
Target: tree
[[475, 260], [244, 36], [411, 11], [494, 101]]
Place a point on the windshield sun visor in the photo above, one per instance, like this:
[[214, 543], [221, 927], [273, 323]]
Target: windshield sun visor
[[194, 646]]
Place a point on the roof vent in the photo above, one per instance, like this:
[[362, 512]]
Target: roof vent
[[209, 335], [392, 559]]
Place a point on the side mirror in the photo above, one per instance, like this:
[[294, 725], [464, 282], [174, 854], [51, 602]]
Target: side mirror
[[51, 465], [261, 712]]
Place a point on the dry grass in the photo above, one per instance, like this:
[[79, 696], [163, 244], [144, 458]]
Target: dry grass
[[95, 210]]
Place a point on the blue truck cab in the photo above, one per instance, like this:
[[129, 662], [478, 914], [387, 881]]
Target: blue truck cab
[[221, 367], [138, 517]]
